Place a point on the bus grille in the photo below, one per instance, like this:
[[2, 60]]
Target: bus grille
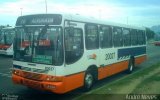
[[34, 70], [32, 76]]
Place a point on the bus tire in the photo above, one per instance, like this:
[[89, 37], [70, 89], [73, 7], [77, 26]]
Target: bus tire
[[130, 66], [88, 81]]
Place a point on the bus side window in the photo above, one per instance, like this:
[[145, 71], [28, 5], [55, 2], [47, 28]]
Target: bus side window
[[134, 37], [144, 37], [117, 37], [105, 36], [140, 37], [92, 38], [126, 37]]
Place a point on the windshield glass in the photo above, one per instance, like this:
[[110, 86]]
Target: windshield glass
[[0, 34], [7, 36], [1, 38], [39, 45]]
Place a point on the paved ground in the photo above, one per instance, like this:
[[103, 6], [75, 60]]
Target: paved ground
[[7, 87]]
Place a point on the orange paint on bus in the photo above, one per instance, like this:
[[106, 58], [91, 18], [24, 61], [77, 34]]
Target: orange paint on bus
[[112, 69], [68, 83], [141, 59]]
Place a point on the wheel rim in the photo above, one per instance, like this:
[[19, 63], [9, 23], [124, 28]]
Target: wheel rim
[[89, 80], [131, 67]]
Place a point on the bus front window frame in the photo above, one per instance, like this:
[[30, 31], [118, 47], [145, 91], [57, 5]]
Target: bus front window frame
[[34, 49]]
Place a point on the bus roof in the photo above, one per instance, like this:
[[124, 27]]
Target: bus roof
[[52, 20], [80, 18]]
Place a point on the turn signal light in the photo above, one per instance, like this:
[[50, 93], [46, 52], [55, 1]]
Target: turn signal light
[[16, 72], [54, 78]]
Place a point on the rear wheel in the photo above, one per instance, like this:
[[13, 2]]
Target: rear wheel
[[88, 81], [130, 66]]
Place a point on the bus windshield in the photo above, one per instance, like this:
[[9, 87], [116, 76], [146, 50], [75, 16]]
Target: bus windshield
[[1, 38], [7, 37], [39, 45], [0, 34]]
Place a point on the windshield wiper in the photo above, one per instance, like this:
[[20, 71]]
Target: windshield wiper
[[42, 32]]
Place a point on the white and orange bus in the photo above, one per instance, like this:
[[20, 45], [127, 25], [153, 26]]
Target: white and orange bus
[[6, 41], [62, 52]]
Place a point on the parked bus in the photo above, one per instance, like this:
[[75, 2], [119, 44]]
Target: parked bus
[[6, 41], [60, 52], [0, 33]]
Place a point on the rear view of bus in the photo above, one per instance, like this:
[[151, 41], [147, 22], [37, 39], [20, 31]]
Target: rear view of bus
[[6, 41]]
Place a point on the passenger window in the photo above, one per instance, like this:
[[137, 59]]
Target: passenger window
[[92, 38], [105, 36], [126, 37], [73, 44], [144, 37], [117, 37], [140, 37], [134, 38]]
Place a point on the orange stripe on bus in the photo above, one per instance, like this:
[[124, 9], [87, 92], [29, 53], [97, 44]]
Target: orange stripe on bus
[[141, 59], [109, 70], [67, 84], [74, 81], [112, 69], [4, 46]]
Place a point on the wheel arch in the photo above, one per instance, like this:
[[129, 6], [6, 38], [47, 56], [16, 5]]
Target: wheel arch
[[94, 70]]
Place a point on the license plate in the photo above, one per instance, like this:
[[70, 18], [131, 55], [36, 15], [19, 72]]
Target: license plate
[[32, 84]]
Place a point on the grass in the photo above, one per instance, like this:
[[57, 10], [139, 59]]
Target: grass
[[145, 81]]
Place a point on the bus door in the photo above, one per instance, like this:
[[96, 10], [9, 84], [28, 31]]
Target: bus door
[[74, 46]]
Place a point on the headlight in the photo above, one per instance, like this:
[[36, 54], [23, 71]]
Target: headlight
[[16, 72]]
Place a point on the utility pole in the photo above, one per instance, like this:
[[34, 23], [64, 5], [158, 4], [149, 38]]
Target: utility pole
[[21, 10], [46, 5], [99, 11]]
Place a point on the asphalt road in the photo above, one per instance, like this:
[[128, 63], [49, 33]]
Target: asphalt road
[[10, 90]]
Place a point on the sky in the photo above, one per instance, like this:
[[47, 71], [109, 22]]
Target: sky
[[133, 12]]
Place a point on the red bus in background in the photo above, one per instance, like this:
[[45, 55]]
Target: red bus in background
[[6, 41], [157, 43]]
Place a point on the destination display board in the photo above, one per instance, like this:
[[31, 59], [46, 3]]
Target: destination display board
[[42, 59], [39, 19]]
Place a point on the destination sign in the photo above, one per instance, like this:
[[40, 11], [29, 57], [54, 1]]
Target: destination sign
[[42, 20], [42, 59], [39, 19]]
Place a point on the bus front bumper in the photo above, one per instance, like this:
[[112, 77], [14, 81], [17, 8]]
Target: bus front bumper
[[3, 52], [55, 87]]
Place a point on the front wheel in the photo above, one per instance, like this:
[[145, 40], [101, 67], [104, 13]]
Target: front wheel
[[88, 81]]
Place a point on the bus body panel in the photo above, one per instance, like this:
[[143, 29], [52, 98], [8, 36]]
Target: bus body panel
[[6, 41], [8, 50], [69, 76]]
